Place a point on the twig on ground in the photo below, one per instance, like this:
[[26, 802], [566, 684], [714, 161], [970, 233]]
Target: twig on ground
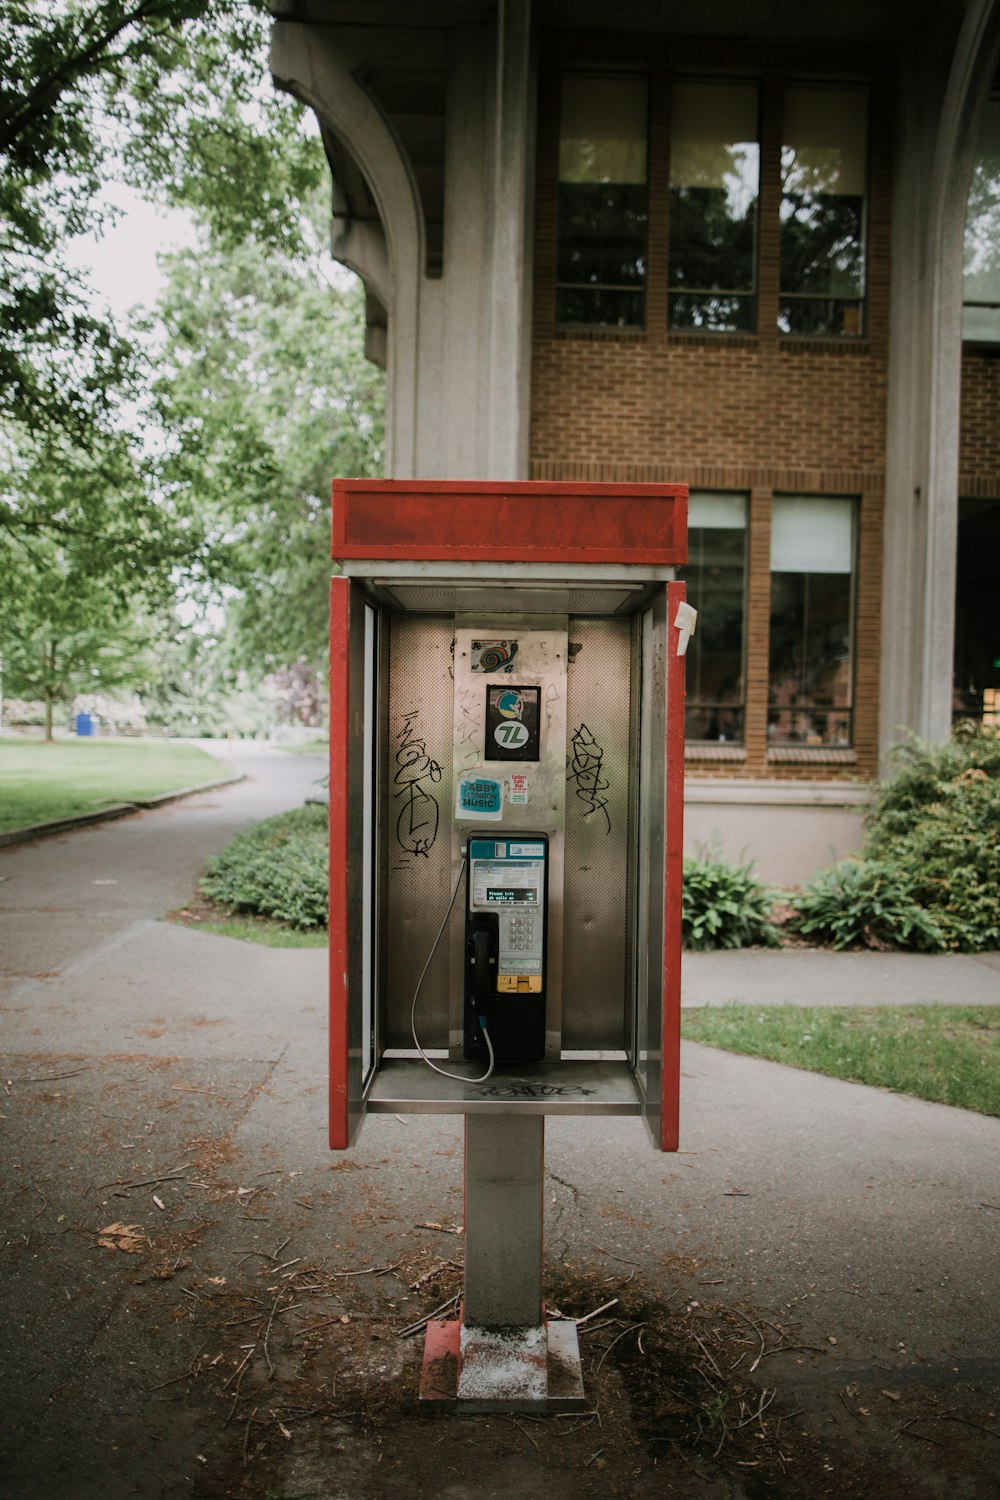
[[948, 1416], [246, 1435], [630, 1329], [441, 1265], [378, 1271], [766, 1397], [50, 1077], [612, 1254], [240, 1367], [763, 1341], [704, 1349], [597, 1311], [404, 1333], [793, 1349], [921, 1435], [173, 1176]]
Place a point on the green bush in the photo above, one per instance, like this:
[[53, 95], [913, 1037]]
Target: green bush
[[935, 777], [929, 872], [864, 902], [276, 869], [724, 906], [938, 823]]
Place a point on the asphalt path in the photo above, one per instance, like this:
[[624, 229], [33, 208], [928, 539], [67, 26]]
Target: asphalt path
[[202, 1301]]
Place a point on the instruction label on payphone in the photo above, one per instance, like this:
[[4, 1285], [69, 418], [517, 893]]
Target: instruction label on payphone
[[506, 932]]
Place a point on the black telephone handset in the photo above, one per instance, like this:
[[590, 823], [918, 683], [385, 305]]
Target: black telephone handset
[[482, 955]]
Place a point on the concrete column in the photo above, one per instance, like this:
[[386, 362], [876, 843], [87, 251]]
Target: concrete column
[[458, 348], [504, 1205], [510, 241], [945, 76], [466, 254], [474, 359]]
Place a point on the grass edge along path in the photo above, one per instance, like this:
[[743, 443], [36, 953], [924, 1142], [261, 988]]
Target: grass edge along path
[[43, 782], [204, 916], [946, 1054]]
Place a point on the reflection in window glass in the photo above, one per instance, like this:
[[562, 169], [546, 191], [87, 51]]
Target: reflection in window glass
[[810, 673], [715, 574], [714, 176], [977, 618], [981, 296], [823, 168], [603, 202]]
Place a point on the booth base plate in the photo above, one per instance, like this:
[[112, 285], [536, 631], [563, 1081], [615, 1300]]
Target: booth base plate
[[478, 1370]]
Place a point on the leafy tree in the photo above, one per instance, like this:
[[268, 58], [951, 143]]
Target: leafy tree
[[98, 506], [265, 394], [170, 95], [85, 552], [198, 687], [67, 630]]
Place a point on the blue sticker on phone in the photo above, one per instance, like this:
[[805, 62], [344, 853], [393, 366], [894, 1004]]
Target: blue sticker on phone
[[479, 797]]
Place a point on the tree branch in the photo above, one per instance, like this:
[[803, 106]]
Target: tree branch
[[83, 62]]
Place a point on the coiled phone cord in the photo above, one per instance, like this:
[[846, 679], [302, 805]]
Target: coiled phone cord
[[458, 1077]]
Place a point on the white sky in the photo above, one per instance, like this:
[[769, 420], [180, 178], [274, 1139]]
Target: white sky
[[121, 265]]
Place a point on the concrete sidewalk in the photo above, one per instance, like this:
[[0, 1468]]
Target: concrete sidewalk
[[202, 1301]]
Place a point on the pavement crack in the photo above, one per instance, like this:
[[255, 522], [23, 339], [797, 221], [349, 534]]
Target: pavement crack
[[569, 1186]]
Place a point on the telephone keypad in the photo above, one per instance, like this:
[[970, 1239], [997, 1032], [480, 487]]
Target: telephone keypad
[[521, 934]]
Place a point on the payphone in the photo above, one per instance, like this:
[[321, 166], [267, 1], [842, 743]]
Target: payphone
[[505, 929], [507, 756]]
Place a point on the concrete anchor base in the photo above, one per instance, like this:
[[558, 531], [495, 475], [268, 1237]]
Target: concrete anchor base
[[477, 1370]]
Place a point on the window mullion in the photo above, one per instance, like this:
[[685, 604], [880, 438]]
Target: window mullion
[[769, 225], [657, 269]]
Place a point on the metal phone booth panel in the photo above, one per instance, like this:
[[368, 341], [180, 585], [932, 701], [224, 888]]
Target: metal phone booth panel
[[506, 795]]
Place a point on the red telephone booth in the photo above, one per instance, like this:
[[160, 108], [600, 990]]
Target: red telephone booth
[[506, 798]]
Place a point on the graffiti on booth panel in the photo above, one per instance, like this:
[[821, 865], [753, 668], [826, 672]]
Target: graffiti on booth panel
[[417, 773], [586, 770]]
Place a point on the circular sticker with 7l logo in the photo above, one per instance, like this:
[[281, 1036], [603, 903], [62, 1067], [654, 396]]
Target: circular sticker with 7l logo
[[512, 721], [511, 734]]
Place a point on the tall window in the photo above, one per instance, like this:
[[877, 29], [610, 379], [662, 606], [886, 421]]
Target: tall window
[[603, 202], [977, 619], [716, 574], [714, 181], [823, 173], [811, 676], [981, 296]]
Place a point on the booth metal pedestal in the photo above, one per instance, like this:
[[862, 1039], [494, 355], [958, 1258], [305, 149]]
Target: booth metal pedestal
[[502, 1355]]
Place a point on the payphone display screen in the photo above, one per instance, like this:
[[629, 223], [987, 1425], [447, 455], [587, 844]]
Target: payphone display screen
[[510, 876], [506, 878]]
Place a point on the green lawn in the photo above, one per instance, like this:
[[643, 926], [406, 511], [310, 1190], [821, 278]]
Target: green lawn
[[318, 746], [262, 930], [40, 783], [949, 1054]]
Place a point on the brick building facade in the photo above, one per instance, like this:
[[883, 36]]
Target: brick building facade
[[857, 407]]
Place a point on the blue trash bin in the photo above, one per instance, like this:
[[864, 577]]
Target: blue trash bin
[[84, 724]]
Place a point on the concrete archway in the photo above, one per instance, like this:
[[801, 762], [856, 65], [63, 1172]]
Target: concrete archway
[[306, 63]]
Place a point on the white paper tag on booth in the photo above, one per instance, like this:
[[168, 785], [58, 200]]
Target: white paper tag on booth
[[685, 620], [518, 793]]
